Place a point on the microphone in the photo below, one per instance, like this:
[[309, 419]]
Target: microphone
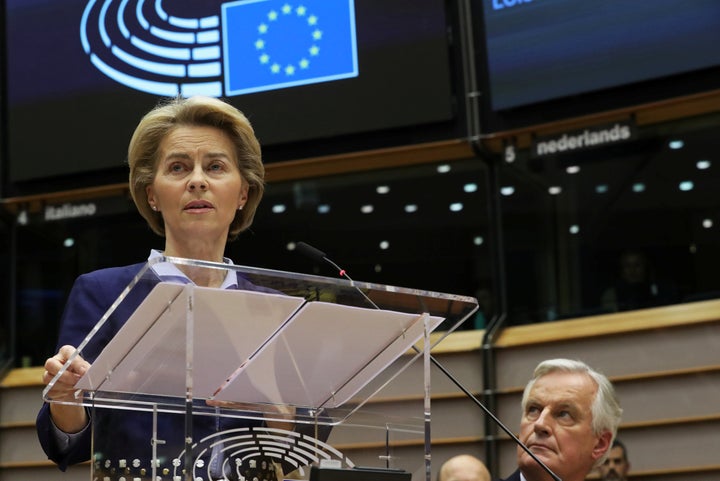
[[319, 256], [311, 252]]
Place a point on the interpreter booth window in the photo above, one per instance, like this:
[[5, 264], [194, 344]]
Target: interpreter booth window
[[6, 331], [53, 247], [617, 228], [422, 227]]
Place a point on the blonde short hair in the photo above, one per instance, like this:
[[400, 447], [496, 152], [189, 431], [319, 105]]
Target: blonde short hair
[[194, 111]]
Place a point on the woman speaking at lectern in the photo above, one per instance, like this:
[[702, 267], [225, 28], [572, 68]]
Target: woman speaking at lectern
[[196, 176]]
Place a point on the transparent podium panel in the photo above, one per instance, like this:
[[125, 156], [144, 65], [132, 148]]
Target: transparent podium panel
[[250, 378]]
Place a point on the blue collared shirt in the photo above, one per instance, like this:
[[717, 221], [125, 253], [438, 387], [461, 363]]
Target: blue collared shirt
[[168, 271]]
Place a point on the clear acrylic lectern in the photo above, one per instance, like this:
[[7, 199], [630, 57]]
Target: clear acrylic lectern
[[198, 383]]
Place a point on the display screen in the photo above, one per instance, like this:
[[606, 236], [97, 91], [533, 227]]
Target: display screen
[[539, 50], [81, 73]]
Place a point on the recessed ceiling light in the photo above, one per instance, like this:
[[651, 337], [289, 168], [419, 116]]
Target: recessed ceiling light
[[382, 189], [367, 209], [507, 190], [572, 169], [456, 207], [686, 185], [278, 208], [323, 208], [703, 164], [676, 144], [443, 168], [638, 187], [410, 208], [470, 187], [554, 190]]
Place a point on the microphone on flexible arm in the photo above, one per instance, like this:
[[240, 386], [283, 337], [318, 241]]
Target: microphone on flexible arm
[[319, 256]]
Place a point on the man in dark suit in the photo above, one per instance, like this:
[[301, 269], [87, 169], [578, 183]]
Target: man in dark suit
[[617, 464], [570, 415]]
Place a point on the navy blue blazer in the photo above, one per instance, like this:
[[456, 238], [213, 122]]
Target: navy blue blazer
[[513, 477], [91, 296]]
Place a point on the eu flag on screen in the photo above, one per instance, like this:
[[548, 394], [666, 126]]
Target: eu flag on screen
[[275, 44]]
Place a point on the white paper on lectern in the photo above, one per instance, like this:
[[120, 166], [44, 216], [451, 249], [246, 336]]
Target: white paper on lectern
[[325, 355], [148, 354]]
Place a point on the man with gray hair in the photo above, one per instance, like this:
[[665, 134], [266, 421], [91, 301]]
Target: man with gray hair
[[570, 416]]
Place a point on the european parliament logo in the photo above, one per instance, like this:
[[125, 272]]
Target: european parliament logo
[[248, 46]]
